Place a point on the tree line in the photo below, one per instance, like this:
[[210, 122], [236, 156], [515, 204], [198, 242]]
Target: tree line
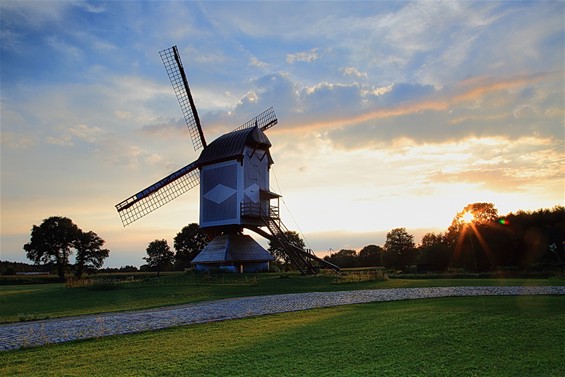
[[478, 240]]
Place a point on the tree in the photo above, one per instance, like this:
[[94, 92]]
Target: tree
[[538, 238], [435, 252], [345, 258], [188, 243], [159, 255], [277, 250], [399, 249], [466, 237], [370, 256], [476, 213], [90, 255], [52, 242]]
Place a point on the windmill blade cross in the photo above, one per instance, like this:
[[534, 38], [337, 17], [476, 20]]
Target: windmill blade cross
[[158, 194], [175, 70], [264, 121]]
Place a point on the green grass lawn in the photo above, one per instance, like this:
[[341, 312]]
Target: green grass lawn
[[471, 336], [55, 300]]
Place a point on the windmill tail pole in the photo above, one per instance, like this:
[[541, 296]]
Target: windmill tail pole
[[321, 261]]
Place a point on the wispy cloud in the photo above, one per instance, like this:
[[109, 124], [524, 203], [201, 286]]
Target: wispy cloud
[[352, 71], [303, 56], [63, 47]]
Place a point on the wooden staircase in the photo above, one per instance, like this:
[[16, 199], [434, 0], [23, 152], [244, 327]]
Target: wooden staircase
[[305, 260]]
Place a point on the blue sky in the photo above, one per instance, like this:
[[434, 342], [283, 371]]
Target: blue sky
[[391, 114]]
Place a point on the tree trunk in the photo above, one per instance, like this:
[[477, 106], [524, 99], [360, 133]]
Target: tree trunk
[[79, 271], [61, 271], [61, 266]]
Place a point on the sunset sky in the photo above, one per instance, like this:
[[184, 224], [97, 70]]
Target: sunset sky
[[391, 114]]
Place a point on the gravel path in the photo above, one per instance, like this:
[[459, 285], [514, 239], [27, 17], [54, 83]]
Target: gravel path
[[57, 330]]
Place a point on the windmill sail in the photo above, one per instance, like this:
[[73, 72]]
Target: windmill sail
[[158, 194], [175, 70], [264, 121]]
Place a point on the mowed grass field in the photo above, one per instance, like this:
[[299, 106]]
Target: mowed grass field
[[472, 336], [39, 301]]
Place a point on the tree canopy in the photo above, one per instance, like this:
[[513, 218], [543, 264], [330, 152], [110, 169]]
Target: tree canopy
[[188, 243], [159, 255], [475, 213], [399, 249], [90, 255], [370, 255], [276, 249], [345, 258]]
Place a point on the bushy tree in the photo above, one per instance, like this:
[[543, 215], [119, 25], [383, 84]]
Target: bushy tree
[[466, 237], [345, 258], [159, 255], [370, 256], [400, 250], [475, 213], [188, 243], [90, 255], [52, 242]]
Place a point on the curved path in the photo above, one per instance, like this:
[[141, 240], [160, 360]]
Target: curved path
[[57, 330]]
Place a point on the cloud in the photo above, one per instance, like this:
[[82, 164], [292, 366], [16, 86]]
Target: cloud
[[259, 64], [304, 56], [90, 7], [85, 132], [382, 90], [352, 71], [33, 13], [508, 107], [63, 140], [166, 128], [16, 141]]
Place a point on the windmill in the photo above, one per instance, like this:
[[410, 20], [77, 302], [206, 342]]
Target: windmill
[[233, 173]]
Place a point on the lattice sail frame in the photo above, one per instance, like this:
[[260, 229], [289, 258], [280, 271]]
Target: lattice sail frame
[[158, 194], [175, 71], [264, 121]]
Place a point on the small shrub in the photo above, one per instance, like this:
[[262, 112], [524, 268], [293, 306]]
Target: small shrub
[[104, 284], [74, 282], [357, 276]]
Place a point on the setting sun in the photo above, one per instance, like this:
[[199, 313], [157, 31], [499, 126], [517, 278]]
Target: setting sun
[[468, 217]]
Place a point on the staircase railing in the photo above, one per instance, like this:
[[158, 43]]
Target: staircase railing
[[301, 258]]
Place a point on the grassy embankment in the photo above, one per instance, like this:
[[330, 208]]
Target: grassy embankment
[[38, 301], [473, 336]]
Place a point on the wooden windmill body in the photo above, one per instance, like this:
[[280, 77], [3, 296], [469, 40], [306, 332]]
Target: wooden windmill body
[[233, 173]]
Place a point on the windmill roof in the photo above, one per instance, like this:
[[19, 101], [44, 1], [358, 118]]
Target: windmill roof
[[230, 248], [232, 145]]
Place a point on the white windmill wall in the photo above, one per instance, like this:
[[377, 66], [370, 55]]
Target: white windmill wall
[[225, 185], [221, 192], [256, 174]]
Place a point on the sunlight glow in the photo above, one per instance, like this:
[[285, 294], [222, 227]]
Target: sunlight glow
[[468, 217]]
